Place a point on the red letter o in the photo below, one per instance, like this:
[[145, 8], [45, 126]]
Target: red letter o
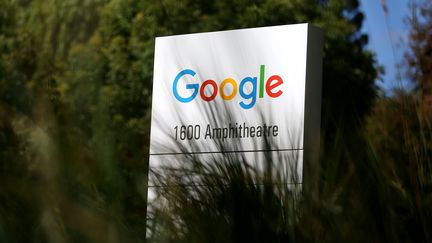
[[215, 90]]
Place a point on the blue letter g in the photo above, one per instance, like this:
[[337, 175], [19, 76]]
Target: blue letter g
[[195, 87]]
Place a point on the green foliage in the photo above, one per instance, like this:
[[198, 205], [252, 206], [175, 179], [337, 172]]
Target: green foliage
[[419, 58], [401, 137]]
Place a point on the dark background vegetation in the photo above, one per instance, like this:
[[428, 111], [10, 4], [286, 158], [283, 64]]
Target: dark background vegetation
[[75, 99]]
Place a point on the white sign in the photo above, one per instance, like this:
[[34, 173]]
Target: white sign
[[247, 90]]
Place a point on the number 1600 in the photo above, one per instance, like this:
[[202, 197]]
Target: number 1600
[[187, 132]]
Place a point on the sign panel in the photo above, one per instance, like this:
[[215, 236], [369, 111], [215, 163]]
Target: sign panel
[[239, 91]]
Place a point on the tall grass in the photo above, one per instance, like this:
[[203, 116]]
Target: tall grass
[[60, 185], [377, 191]]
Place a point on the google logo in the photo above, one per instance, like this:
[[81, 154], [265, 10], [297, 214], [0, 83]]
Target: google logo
[[249, 96]]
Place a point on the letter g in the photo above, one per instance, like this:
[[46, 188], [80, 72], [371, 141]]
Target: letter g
[[194, 87]]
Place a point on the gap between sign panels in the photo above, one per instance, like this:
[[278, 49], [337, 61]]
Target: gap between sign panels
[[230, 151]]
